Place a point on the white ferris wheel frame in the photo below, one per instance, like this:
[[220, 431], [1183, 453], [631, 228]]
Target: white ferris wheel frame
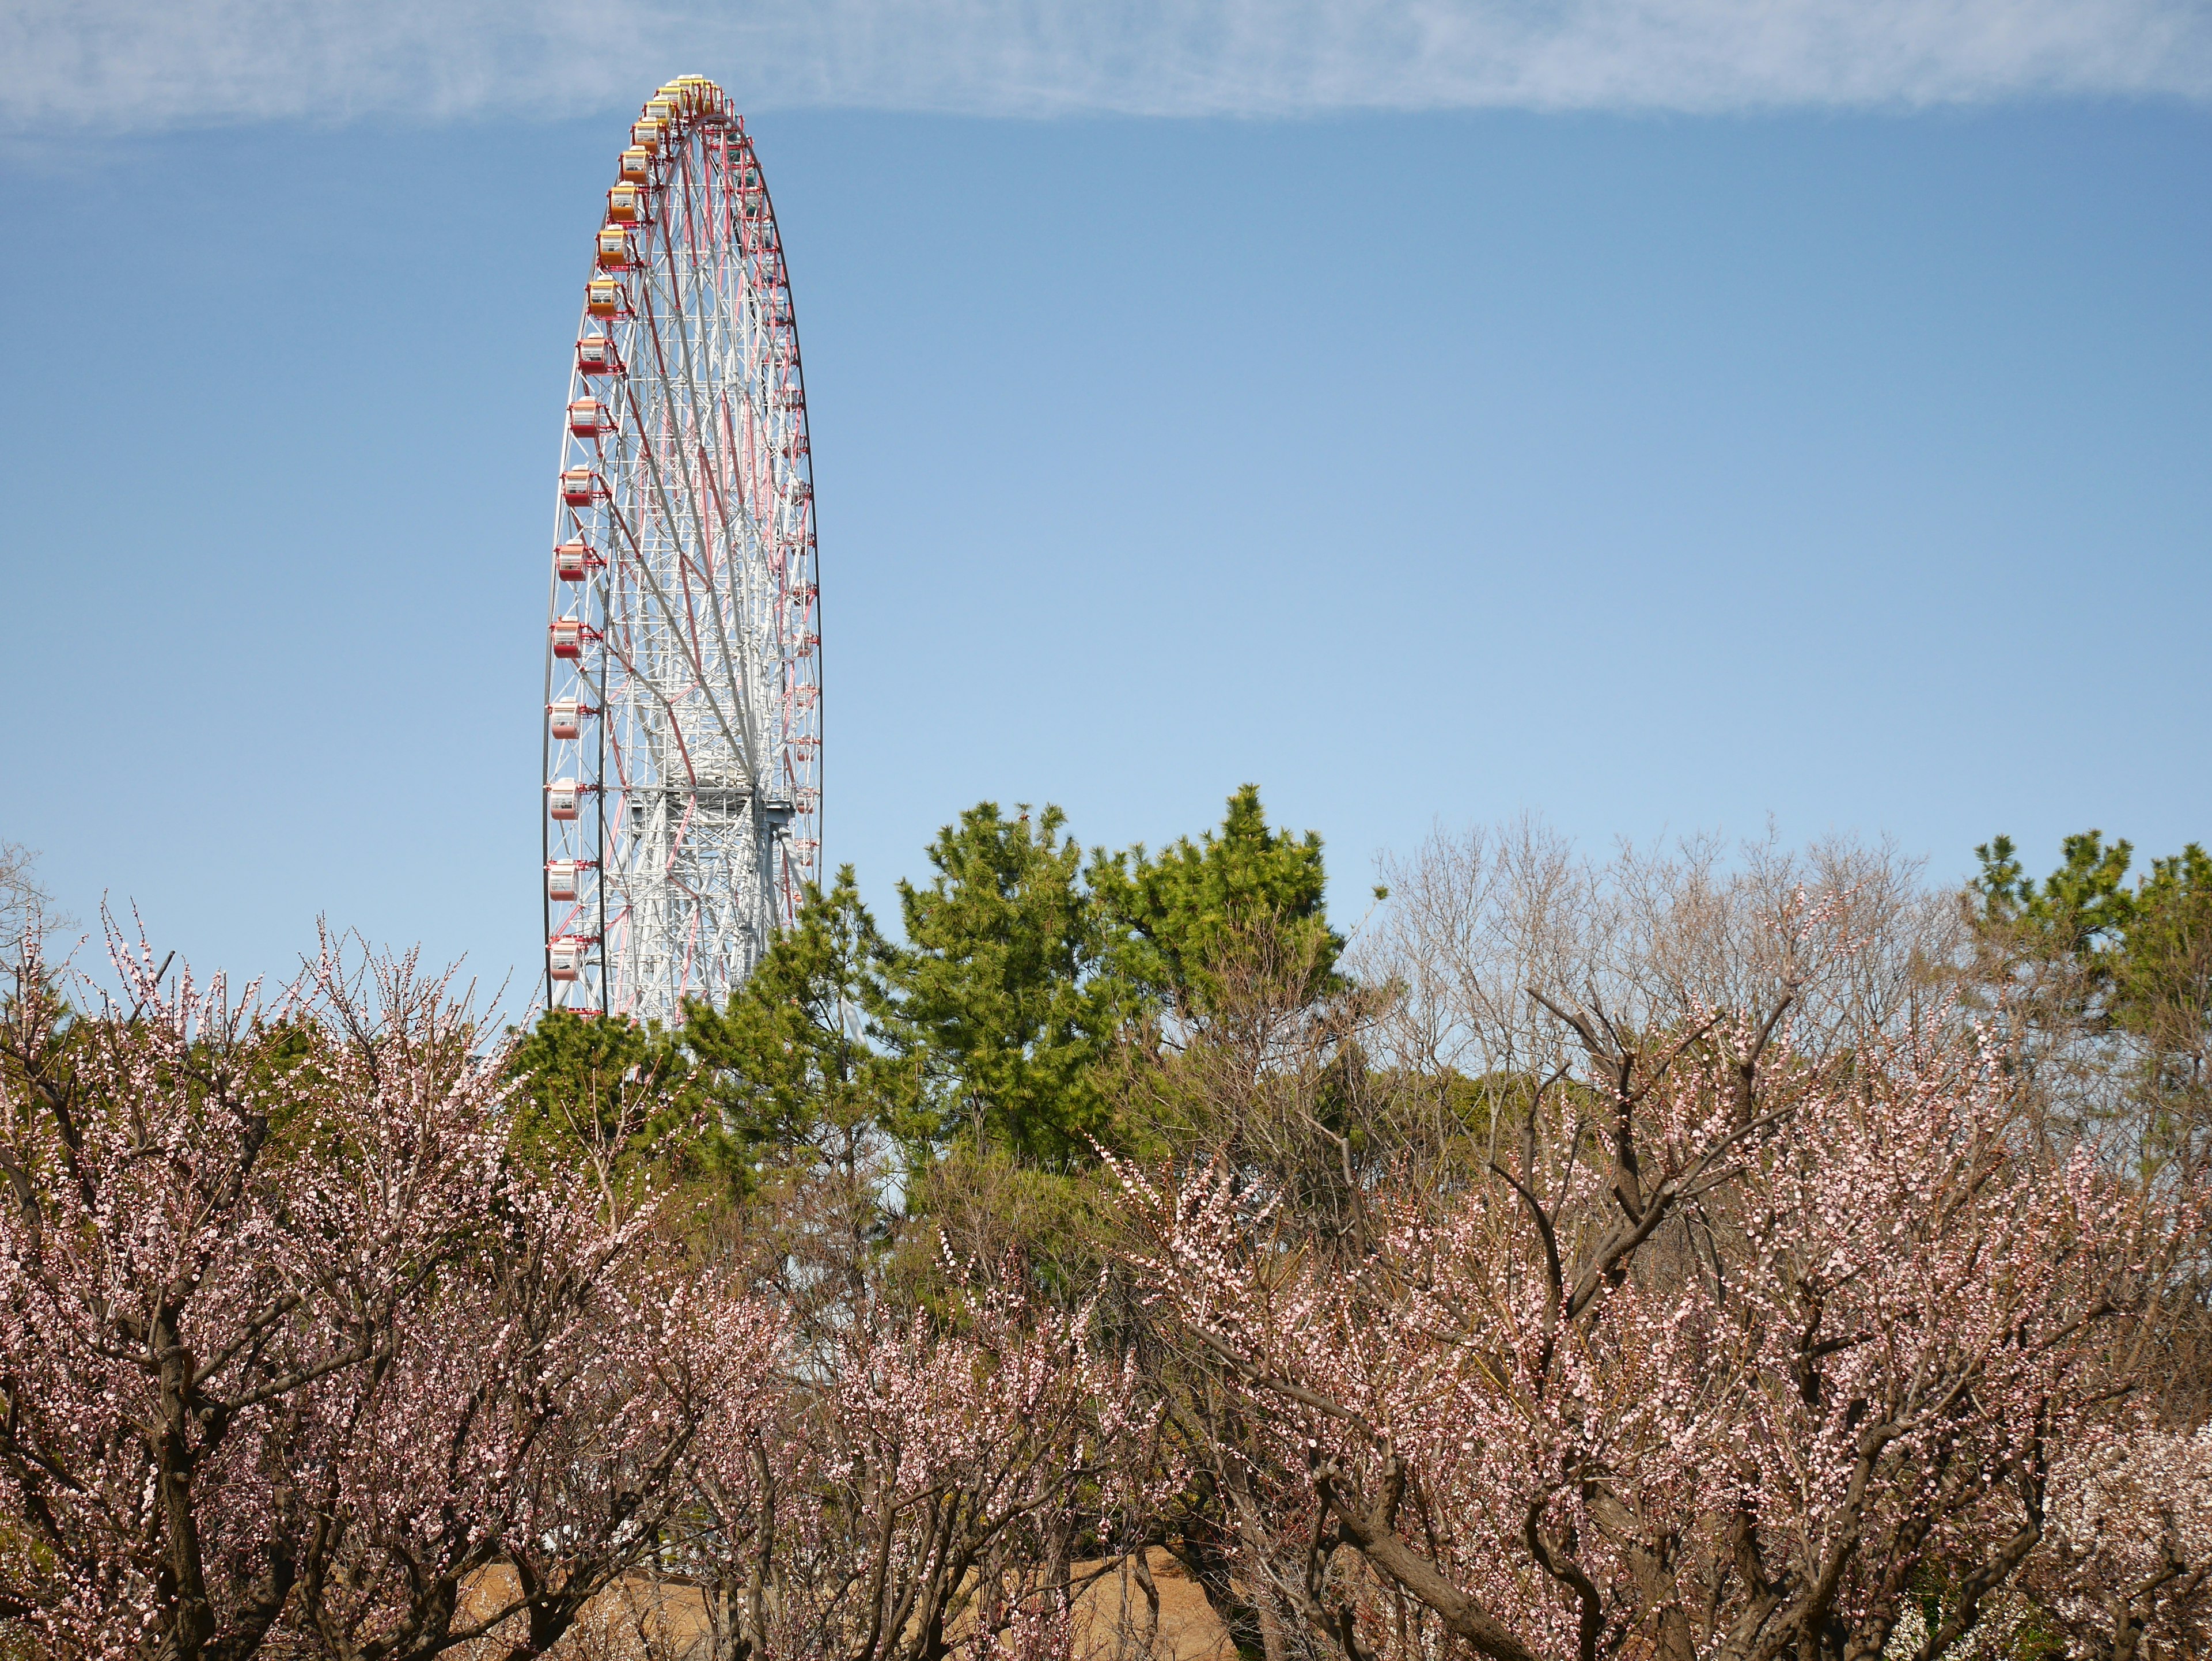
[[682, 739]]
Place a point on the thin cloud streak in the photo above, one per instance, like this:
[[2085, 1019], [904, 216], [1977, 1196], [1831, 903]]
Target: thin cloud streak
[[143, 66]]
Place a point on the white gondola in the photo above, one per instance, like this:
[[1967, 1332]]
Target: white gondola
[[564, 717], [560, 879], [564, 798], [565, 958]]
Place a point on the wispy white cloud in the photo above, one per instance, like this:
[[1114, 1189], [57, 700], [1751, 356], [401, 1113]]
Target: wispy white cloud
[[153, 63]]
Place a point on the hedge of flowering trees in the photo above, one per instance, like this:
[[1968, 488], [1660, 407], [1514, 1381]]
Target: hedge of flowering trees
[[297, 1347], [1677, 1258]]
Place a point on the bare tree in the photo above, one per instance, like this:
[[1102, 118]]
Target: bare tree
[[27, 914]]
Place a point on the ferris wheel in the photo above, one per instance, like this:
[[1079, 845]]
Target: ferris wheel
[[683, 739]]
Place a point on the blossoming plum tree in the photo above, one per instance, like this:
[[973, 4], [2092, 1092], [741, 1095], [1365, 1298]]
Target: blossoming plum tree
[[290, 1350], [1735, 1354], [919, 1485], [2127, 1561]]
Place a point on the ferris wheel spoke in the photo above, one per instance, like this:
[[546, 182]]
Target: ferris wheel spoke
[[672, 619], [688, 379], [747, 722], [675, 726]]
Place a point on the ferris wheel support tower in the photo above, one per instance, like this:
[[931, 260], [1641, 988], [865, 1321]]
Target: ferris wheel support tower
[[683, 735]]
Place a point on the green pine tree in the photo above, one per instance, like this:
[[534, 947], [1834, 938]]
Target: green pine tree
[[605, 1089], [1239, 893], [1002, 1003], [789, 1062]]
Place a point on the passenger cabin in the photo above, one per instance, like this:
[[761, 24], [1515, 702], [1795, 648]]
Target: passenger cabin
[[564, 718], [563, 800], [560, 879]]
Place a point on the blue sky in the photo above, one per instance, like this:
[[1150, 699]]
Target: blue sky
[[1627, 420]]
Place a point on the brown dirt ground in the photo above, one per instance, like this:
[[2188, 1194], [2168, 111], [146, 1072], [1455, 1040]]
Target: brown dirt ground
[[645, 1620]]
